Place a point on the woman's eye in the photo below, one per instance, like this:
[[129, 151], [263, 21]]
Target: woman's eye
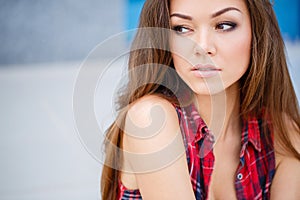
[[181, 29], [225, 26]]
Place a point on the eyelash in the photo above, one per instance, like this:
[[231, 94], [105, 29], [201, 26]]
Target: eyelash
[[231, 24], [177, 29], [217, 27]]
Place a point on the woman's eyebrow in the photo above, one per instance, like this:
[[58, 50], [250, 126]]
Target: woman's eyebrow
[[181, 16], [220, 12]]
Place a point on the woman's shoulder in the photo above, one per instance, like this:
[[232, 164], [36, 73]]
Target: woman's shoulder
[[150, 109], [287, 177], [285, 184], [151, 122], [147, 103]]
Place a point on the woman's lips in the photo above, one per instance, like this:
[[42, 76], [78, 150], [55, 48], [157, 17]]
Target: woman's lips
[[205, 71]]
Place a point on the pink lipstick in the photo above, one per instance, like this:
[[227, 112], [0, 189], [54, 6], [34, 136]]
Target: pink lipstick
[[205, 71]]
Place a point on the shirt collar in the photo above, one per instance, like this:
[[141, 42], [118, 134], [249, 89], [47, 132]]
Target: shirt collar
[[250, 129], [251, 133], [201, 127]]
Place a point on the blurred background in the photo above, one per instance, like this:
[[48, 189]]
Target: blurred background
[[42, 47]]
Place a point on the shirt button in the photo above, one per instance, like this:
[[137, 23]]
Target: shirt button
[[240, 176]]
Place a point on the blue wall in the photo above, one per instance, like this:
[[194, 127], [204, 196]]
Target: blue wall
[[288, 14], [287, 11], [133, 10]]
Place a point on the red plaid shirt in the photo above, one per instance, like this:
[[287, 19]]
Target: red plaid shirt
[[257, 160]]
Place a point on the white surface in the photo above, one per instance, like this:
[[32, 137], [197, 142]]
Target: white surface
[[40, 151]]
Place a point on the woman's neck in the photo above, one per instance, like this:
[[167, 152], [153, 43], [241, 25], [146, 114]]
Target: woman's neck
[[221, 112]]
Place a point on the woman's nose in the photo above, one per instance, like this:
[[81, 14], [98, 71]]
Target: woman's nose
[[204, 43]]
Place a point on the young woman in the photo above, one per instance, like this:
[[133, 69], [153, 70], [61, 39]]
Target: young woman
[[226, 125]]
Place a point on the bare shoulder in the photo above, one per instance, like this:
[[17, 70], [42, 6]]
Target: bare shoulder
[[142, 111], [151, 122], [287, 177], [286, 180]]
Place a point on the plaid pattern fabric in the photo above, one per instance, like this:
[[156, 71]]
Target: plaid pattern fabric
[[126, 194], [257, 160]]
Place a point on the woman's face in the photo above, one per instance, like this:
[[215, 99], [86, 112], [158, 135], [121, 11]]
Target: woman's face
[[210, 43]]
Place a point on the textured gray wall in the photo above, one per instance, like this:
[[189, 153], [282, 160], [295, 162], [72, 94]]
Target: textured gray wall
[[34, 31]]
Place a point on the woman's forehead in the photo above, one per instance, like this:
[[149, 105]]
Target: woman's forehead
[[205, 5]]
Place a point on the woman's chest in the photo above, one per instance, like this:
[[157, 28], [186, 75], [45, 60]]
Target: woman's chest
[[223, 177]]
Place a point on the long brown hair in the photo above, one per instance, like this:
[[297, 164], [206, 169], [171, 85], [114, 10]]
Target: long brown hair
[[265, 86], [155, 13]]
